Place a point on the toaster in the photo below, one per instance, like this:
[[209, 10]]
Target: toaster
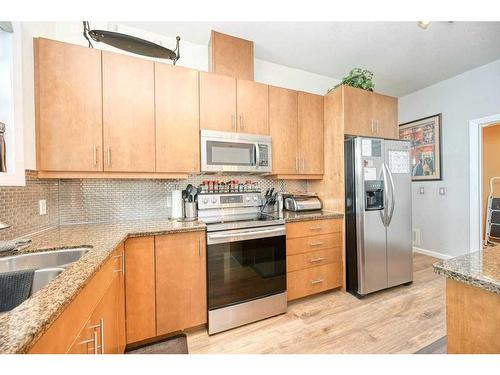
[[303, 202]]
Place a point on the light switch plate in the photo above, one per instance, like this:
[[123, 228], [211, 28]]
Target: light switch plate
[[42, 207], [421, 190], [442, 191]]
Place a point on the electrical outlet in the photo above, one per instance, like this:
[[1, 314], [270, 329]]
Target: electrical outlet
[[421, 190], [416, 237], [442, 191], [42, 207]]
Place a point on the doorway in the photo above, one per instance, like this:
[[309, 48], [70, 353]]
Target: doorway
[[491, 179]]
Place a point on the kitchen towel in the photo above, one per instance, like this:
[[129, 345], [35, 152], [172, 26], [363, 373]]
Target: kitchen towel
[[15, 287], [177, 204]]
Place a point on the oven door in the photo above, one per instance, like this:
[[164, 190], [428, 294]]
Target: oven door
[[245, 264]]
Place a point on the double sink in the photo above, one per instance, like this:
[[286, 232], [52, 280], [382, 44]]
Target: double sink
[[47, 265]]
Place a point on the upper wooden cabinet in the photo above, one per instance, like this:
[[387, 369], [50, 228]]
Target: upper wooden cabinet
[[231, 105], [217, 102], [68, 107], [230, 56], [128, 113], [369, 114], [181, 284], [177, 118], [283, 128], [310, 136], [253, 107]]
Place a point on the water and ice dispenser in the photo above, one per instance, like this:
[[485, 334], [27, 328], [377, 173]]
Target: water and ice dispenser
[[374, 195]]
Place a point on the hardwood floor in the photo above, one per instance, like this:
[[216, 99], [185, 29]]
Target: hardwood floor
[[404, 319]]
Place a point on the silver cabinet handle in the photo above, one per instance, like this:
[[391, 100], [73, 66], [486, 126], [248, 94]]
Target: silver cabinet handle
[[102, 336], [233, 121], [314, 260], [316, 281], [200, 252], [109, 156], [303, 164], [95, 343], [94, 155], [376, 126], [316, 243], [296, 164], [315, 228], [242, 125], [121, 269]]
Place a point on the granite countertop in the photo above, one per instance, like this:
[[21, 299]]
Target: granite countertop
[[480, 269], [22, 326], [291, 216]]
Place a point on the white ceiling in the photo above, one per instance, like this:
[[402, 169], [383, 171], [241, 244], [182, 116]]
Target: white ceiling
[[402, 56]]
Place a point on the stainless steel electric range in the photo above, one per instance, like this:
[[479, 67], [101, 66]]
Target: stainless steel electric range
[[246, 260]]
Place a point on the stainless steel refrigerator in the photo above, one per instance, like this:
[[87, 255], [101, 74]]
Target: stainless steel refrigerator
[[378, 214]]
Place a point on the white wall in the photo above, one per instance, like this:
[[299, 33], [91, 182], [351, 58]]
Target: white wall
[[192, 55], [444, 220]]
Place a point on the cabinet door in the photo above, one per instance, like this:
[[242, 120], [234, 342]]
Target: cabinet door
[[128, 113], [140, 289], [283, 129], [231, 56], [181, 300], [217, 102], [84, 343], [310, 137], [177, 119], [358, 118], [253, 107], [69, 107], [120, 298], [385, 115]]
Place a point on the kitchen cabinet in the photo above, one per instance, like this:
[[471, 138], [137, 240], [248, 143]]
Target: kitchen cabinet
[[231, 56], [140, 289], [68, 107], [296, 128], [369, 114], [128, 113], [314, 257], [283, 128], [177, 119], [310, 137], [181, 300], [94, 317], [252, 107], [217, 102]]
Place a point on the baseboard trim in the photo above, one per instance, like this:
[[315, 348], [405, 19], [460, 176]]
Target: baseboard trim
[[431, 253]]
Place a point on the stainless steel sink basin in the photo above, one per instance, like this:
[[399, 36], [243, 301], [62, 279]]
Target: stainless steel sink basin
[[47, 265], [45, 259]]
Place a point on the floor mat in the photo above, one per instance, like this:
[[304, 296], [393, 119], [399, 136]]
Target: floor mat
[[172, 345]]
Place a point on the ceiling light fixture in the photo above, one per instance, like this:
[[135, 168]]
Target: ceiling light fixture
[[423, 24], [131, 43]]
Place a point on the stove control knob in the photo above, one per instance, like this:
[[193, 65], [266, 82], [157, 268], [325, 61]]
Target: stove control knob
[[255, 198], [214, 200], [205, 200], [248, 199]]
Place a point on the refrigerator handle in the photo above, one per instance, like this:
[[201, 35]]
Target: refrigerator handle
[[383, 214], [393, 192]]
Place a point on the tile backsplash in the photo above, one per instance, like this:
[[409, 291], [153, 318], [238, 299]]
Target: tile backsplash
[[72, 201]]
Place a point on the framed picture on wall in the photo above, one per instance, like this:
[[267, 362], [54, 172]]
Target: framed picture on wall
[[425, 137]]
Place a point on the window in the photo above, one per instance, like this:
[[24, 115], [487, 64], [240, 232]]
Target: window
[[11, 103]]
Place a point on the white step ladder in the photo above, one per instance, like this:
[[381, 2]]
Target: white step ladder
[[492, 216]]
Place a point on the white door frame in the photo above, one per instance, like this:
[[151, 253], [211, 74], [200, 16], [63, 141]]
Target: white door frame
[[476, 179]]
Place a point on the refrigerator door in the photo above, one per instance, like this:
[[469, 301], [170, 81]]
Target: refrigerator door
[[371, 232], [399, 236]]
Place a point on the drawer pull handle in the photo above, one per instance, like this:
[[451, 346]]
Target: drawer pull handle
[[314, 260], [315, 228], [316, 243], [319, 281]]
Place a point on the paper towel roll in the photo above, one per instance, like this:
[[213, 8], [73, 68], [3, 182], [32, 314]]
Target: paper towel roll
[[177, 204]]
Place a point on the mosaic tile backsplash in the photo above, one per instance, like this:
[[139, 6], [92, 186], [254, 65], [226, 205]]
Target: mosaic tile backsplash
[[73, 201]]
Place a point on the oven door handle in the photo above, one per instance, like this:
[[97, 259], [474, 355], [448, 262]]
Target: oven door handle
[[247, 235]]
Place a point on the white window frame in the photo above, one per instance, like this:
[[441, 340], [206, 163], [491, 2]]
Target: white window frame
[[17, 176]]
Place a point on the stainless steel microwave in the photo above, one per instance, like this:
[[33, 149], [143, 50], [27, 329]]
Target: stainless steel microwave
[[235, 152]]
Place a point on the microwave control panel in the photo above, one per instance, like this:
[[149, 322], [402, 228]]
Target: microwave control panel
[[264, 155]]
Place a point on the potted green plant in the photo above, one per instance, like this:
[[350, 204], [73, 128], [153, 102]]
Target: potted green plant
[[359, 78]]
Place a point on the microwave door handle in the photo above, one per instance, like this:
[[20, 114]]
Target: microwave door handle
[[257, 154]]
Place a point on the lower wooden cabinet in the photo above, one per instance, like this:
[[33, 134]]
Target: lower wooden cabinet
[[314, 261], [93, 323], [181, 281]]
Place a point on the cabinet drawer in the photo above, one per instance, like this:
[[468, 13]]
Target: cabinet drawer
[[313, 259], [313, 243], [313, 227], [313, 280]]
